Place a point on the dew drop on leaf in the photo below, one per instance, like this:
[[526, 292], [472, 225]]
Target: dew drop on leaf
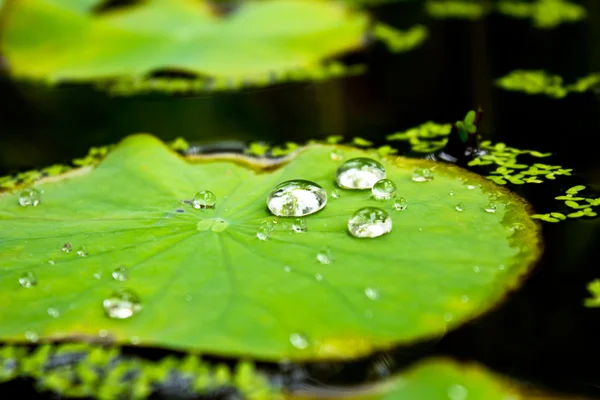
[[384, 189], [325, 256], [471, 187], [299, 225], [359, 173], [122, 304], [336, 155], [422, 175], [452, 193], [400, 204], [369, 222], [67, 248], [476, 269], [29, 197], [53, 312], [372, 293], [51, 261], [120, 274], [460, 207], [28, 279], [296, 198], [490, 208], [319, 277], [457, 392], [97, 275], [265, 230], [335, 194], [32, 336], [299, 341], [82, 251], [287, 268], [204, 199]]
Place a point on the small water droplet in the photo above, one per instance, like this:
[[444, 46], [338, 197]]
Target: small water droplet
[[32, 336], [335, 194], [67, 248], [299, 225], [384, 189], [422, 175], [372, 293], [120, 274], [29, 197], [336, 155], [464, 298], [103, 333], [28, 279], [476, 269], [122, 304], [400, 204], [97, 275], [299, 341], [325, 256], [517, 226], [501, 267], [265, 230], [369, 222], [53, 312], [471, 187], [204, 199], [287, 268], [452, 193], [134, 340], [457, 392], [82, 251], [51, 262], [359, 173], [319, 277], [490, 208], [460, 207], [296, 198]]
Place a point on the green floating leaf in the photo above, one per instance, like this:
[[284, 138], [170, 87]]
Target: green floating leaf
[[259, 42], [120, 240], [545, 14], [461, 9], [540, 82]]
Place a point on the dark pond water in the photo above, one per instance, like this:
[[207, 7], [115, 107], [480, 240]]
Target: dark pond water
[[542, 333]]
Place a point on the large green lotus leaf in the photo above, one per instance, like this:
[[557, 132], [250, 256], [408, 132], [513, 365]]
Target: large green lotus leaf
[[71, 42], [207, 283]]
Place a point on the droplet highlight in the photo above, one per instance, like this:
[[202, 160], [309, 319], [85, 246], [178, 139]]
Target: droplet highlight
[[29, 197], [490, 208], [82, 251], [336, 155], [384, 189], [372, 293], [369, 222], [299, 341], [204, 199], [120, 274], [265, 230], [296, 198], [400, 204], [299, 225], [122, 304], [67, 248], [359, 173], [53, 312], [325, 256], [28, 279], [335, 194], [460, 207], [422, 175]]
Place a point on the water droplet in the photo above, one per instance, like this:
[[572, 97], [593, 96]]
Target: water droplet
[[319, 277], [384, 189], [120, 274], [452, 193], [372, 293], [336, 155], [335, 194], [97, 275], [53, 312], [28, 279], [471, 187], [204, 199], [325, 256], [517, 226], [67, 248], [82, 251], [476, 269], [122, 304], [134, 340], [29, 197], [460, 207], [422, 175], [501, 267], [490, 208], [299, 341], [457, 392], [369, 222], [400, 204], [296, 198], [359, 173], [103, 333], [32, 336], [51, 262], [265, 230], [464, 298], [299, 225], [287, 268]]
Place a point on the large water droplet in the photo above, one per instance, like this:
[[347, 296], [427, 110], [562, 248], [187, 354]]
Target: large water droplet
[[122, 304], [359, 173], [370, 222], [325, 256], [422, 175], [204, 199], [384, 189], [460, 207], [28, 279], [120, 274], [299, 341], [296, 198], [400, 204], [490, 208], [82, 251], [372, 293], [299, 225], [67, 248], [265, 230], [29, 197], [457, 392]]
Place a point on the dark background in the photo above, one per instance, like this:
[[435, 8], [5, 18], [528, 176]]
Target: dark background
[[542, 333]]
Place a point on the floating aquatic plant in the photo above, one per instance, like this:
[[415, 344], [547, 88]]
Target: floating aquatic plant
[[541, 82], [129, 49]]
